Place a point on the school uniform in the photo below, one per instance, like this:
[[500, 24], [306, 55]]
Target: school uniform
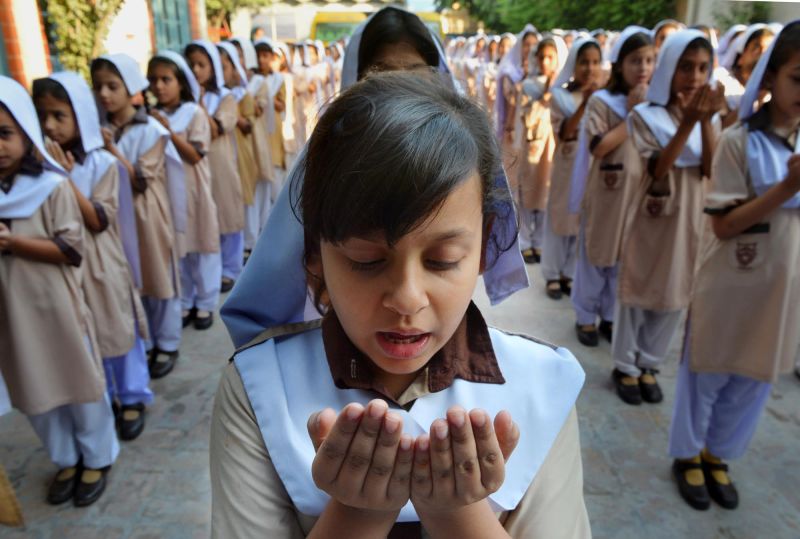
[[730, 363], [251, 307], [277, 147], [56, 381], [262, 195], [226, 186], [271, 459], [201, 263], [663, 232]]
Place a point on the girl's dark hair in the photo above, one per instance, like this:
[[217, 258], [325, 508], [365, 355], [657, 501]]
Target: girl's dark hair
[[786, 45], [30, 163], [186, 91], [48, 87], [758, 34], [700, 43], [616, 82], [101, 64], [384, 157], [211, 83], [573, 85], [390, 26], [263, 47], [545, 42]]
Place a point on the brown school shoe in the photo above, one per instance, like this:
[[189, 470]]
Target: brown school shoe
[[651, 391], [63, 486], [91, 486], [720, 486], [131, 421], [627, 387], [553, 289], [691, 482]]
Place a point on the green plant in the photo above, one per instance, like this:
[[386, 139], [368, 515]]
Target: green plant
[[726, 14]]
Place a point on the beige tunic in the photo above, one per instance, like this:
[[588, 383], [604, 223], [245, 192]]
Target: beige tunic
[[662, 233], [744, 314], [245, 151], [202, 225], [536, 152], [276, 142], [251, 501], [292, 140], [510, 153], [261, 141], [107, 282], [225, 183], [44, 321], [561, 221], [610, 186]]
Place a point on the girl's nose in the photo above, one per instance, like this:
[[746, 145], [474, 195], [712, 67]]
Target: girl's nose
[[407, 295]]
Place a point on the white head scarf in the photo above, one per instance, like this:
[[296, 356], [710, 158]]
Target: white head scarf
[[233, 54], [511, 64], [569, 67], [179, 61], [665, 22], [249, 52], [28, 192], [129, 70], [216, 62], [623, 37], [737, 47], [84, 106], [727, 37], [668, 56]]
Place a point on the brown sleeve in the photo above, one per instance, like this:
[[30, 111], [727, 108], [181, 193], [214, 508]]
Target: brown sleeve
[[65, 222], [248, 498]]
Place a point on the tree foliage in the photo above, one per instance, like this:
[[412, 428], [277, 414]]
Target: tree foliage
[[220, 11], [512, 15], [80, 28]]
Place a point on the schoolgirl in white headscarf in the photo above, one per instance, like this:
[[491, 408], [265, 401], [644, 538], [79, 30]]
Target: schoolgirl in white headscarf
[[50, 359], [178, 94], [71, 122], [577, 79], [270, 62], [534, 142], [143, 145], [739, 61], [256, 214], [511, 71], [222, 108], [603, 181], [742, 328], [675, 132]]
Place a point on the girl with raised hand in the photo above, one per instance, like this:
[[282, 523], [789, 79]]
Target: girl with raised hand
[[675, 132], [71, 123], [743, 318], [269, 65], [155, 171], [50, 359], [222, 109], [604, 179], [401, 350], [178, 94], [570, 92]]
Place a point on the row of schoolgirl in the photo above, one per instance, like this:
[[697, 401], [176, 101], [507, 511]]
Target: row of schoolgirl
[[612, 169], [121, 221]]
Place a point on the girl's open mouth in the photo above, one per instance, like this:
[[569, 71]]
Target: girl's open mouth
[[401, 345]]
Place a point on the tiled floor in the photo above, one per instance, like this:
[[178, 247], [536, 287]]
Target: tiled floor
[[160, 488]]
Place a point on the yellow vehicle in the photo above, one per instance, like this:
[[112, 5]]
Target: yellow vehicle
[[329, 26]]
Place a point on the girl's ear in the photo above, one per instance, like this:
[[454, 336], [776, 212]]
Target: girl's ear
[[487, 233]]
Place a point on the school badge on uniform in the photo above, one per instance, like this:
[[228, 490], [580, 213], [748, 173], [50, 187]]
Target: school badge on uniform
[[610, 179], [746, 253], [655, 206]]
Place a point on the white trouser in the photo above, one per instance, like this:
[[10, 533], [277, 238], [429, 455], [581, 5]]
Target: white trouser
[[642, 337], [558, 254], [201, 276], [165, 322], [531, 229]]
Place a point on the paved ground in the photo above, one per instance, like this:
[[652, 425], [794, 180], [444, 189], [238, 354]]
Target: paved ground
[[159, 488]]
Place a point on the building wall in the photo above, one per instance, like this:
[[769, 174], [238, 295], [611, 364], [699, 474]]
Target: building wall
[[25, 45]]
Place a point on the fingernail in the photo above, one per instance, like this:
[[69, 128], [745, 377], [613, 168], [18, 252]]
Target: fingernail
[[390, 424], [353, 413], [440, 430], [423, 444], [376, 410], [458, 419], [405, 444], [480, 420]]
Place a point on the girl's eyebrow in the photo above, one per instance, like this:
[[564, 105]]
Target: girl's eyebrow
[[455, 233]]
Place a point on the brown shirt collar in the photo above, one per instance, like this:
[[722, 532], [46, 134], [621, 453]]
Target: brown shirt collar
[[467, 355]]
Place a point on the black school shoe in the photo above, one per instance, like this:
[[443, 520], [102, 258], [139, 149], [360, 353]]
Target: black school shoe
[[62, 490], [629, 393], [130, 429], [204, 323], [226, 285], [651, 392], [606, 329], [531, 256], [553, 289], [189, 318], [587, 338], [159, 369], [725, 495], [88, 493], [695, 496], [566, 286]]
